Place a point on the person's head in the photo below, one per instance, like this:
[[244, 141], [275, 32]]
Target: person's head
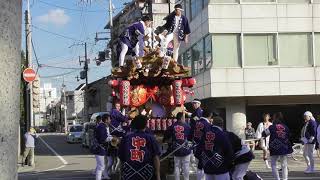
[[179, 117], [249, 125], [139, 122], [32, 130], [266, 117], [147, 20], [308, 116], [178, 9], [98, 119], [218, 121], [196, 103], [207, 114], [117, 106], [277, 118], [106, 119]]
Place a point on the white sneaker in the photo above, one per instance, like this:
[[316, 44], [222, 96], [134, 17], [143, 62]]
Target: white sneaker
[[268, 166]]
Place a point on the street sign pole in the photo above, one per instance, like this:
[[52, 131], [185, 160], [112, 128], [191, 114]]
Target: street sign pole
[[29, 60]]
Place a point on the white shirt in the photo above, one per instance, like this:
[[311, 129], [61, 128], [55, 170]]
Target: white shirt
[[261, 127], [176, 26]]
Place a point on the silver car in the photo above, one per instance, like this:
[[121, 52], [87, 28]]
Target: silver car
[[74, 134]]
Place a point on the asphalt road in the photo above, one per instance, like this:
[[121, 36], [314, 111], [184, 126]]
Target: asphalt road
[[72, 162]]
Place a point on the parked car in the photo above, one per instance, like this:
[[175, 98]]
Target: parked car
[[41, 129], [74, 134], [94, 116]]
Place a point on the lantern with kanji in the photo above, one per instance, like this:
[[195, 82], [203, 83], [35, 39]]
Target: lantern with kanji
[[124, 93], [178, 92]]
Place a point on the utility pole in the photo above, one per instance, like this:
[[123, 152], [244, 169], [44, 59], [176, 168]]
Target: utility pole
[[64, 106], [86, 71], [29, 60], [84, 75], [110, 14], [10, 79]]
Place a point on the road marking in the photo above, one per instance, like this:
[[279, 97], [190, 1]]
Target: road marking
[[54, 152], [301, 178], [82, 177]]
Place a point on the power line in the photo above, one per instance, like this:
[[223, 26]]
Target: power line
[[57, 67], [56, 34], [35, 54], [70, 9], [58, 75]]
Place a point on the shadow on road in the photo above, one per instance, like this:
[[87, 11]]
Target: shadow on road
[[60, 175]]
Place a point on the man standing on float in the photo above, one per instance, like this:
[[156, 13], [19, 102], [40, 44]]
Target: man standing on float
[[132, 39], [178, 29]]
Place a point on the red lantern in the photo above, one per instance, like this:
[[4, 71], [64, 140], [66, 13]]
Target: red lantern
[[113, 83], [153, 124], [188, 82], [124, 93], [178, 92], [158, 124], [148, 124], [164, 124], [169, 122], [174, 120]]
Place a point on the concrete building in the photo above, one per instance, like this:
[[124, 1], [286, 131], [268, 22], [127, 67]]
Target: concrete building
[[48, 95], [75, 103], [99, 96], [255, 56], [157, 9], [10, 56]]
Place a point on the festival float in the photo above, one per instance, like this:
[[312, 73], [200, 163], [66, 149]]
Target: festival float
[[154, 84]]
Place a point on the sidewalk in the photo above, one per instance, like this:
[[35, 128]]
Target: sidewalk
[[258, 164]]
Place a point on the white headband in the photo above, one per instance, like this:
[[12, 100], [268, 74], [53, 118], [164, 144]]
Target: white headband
[[196, 101]]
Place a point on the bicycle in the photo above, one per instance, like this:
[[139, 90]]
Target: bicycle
[[298, 149]]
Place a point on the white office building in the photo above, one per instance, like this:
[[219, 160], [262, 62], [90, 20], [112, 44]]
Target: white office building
[[255, 56], [48, 94]]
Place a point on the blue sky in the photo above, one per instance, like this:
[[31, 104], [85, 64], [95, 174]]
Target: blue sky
[[77, 21]]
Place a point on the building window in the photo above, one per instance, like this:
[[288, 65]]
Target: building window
[[295, 49], [317, 48], [260, 49], [226, 50], [208, 51], [187, 58], [197, 57], [257, 1], [293, 1]]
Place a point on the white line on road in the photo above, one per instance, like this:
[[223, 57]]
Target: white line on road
[[54, 152], [299, 178], [82, 177]]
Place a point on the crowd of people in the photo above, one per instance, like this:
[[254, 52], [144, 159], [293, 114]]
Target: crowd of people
[[219, 154], [274, 140]]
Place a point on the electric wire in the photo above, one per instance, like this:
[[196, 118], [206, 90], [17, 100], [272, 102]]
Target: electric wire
[[56, 34], [70, 9]]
